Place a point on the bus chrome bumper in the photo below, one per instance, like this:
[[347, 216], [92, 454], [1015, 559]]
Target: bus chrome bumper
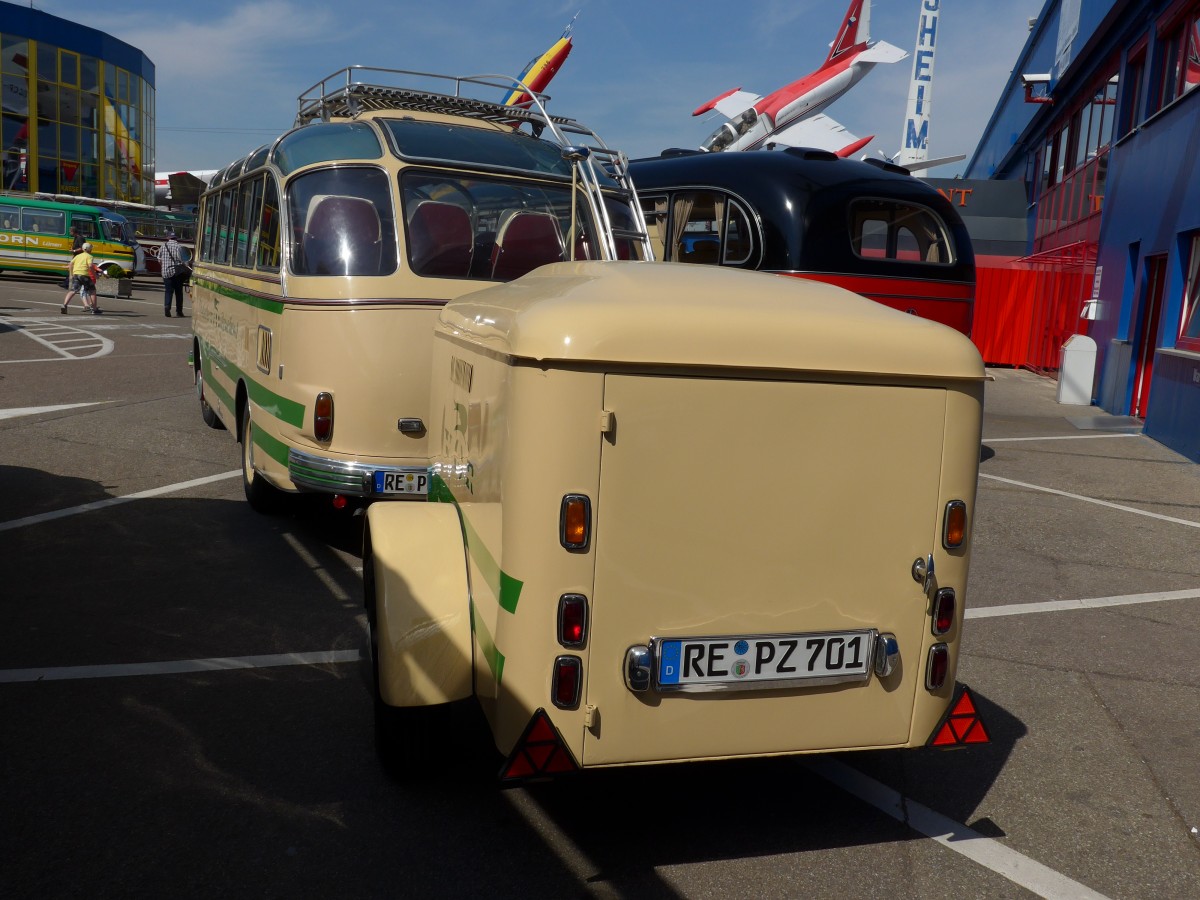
[[356, 479]]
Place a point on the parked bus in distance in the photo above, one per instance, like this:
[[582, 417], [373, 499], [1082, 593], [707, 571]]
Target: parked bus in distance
[[867, 225], [324, 258], [35, 235], [151, 227], [146, 226]]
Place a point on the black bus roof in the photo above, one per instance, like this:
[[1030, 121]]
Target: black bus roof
[[802, 197]]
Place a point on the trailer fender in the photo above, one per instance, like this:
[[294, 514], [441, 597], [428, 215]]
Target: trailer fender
[[418, 603]]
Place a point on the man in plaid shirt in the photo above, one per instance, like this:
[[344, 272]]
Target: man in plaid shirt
[[175, 273]]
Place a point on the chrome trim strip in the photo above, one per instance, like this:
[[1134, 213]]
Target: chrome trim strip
[[335, 476]]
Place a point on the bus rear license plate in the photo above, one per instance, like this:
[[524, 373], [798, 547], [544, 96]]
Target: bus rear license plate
[[765, 660], [401, 483]]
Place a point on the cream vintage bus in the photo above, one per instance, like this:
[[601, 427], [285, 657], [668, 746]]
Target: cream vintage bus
[[324, 258], [681, 513]]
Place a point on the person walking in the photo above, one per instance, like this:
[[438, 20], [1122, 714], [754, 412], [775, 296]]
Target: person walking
[[175, 274], [81, 281]]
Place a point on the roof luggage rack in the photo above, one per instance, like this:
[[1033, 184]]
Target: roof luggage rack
[[345, 94]]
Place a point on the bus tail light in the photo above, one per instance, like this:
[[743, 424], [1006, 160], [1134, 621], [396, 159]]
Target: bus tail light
[[539, 752], [572, 620], [323, 417], [944, 603], [575, 522], [954, 526], [937, 667], [567, 681]]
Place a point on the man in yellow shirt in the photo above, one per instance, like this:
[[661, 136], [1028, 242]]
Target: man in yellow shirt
[[81, 282]]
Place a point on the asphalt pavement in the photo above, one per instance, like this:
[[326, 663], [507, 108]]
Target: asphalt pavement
[[186, 712]]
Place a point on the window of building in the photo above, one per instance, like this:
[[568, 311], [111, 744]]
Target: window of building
[[1179, 55], [1189, 332], [1135, 76]]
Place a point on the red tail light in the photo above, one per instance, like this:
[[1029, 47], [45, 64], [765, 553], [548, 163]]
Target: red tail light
[[572, 620], [943, 611], [323, 417], [567, 681], [937, 667]]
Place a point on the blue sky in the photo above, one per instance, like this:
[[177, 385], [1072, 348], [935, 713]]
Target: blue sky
[[228, 73]]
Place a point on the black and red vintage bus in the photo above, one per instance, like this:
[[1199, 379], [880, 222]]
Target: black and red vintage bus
[[867, 226]]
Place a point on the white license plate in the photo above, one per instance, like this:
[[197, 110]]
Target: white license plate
[[387, 482], [763, 661]]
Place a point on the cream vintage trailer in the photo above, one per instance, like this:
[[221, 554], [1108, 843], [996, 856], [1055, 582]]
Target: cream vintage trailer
[[680, 513]]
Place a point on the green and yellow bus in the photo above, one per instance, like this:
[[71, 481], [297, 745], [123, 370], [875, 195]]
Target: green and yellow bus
[[324, 258], [35, 236]]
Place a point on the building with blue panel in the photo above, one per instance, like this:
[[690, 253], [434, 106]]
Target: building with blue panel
[[1101, 121], [78, 109]]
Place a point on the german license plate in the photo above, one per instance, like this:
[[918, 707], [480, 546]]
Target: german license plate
[[763, 660], [393, 482]]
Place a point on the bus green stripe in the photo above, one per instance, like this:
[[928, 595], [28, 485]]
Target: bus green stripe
[[263, 303], [275, 448], [282, 408], [487, 644], [206, 372], [505, 588]]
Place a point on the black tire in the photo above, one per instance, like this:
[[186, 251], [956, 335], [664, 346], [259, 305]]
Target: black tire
[[207, 413], [263, 497]]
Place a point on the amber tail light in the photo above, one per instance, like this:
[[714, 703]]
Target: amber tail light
[[575, 522]]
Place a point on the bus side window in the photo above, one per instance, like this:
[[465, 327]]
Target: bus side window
[[654, 208], [895, 230], [10, 216]]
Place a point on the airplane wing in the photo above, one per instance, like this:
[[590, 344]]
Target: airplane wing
[[821, 132], [731, 104], [882, 52], [920, 165]]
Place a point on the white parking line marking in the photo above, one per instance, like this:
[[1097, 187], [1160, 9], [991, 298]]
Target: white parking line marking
[[1061, 437], [38, 410], [987, 852], [114, 501], [1068, 494], [180, 666], [1020, 609], [67, 341]]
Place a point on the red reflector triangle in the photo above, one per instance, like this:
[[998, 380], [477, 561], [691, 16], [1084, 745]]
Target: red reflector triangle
[[518, 767], [539, 751], [560, 762], [541, 731], [945, 737], [962, 724], [539, 754], [965, 706], [977, 734]]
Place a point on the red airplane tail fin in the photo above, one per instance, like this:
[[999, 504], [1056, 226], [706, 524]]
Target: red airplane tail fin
[[855, 30]]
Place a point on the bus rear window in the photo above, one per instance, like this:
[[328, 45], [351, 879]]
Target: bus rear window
[[899, 231], [342, 222]]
